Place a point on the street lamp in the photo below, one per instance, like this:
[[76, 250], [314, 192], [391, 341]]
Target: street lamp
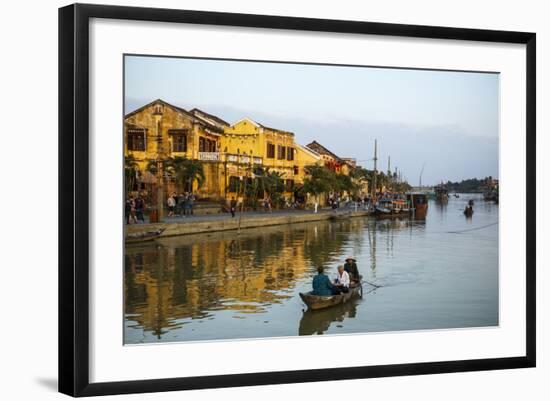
[[160, 157]]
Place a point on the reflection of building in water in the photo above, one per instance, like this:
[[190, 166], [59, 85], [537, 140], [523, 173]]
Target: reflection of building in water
[[176, 279]]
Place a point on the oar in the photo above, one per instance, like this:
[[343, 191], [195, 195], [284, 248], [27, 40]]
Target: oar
[[374, 285]]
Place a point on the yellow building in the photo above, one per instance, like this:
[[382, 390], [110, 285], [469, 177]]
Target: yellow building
[[160, 130], [230, 153], [248, 144], [305, 157], [340, 165]]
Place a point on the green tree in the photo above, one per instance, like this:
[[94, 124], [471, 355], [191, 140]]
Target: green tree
[[344, 183], [268, 182], [319, 180], [185, 171]]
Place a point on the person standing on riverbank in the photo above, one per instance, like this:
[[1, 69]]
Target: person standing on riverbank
[[139, 206], [180, 204], [171, 202], [233, 206], [190, 203], [127, 210], [267, 204]]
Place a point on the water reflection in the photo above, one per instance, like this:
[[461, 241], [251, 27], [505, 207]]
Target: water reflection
[[224, 285], [191, 277], [319, 321]]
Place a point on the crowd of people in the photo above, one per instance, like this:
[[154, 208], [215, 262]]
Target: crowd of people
[[347, 275], [184, 203], [177, 205], [133, 210], [336, 201], [181, 205]]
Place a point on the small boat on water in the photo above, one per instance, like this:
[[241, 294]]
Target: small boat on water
[[383, 207], [392, 207], [441, 193], [491, 195], [315, 302], [468, 211], [144, 236], [340, 216]]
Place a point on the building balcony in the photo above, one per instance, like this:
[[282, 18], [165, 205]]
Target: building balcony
[[209, 156], [243, 159]]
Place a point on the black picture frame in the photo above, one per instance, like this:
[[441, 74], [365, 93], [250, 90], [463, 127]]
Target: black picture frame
[[74, 198]]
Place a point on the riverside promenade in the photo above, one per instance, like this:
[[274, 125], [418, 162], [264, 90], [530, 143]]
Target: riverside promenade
[[173, 226]]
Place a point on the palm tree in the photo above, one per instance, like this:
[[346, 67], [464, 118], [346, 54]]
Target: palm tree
[[266, 182], [188, 171], [185, 171], [131, 173]]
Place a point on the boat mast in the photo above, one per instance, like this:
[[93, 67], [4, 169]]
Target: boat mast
[[375, 172], [421, 171]]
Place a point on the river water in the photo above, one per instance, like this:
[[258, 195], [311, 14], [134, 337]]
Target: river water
[[441, 272]]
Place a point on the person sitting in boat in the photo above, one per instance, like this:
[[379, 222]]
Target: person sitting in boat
[[351, 268], [341, 281], [321, 283]]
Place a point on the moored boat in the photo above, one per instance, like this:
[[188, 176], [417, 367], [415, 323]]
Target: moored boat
[[144, 236], [389, 207], [340, 215], [419, 202], [441, 193], [315, 302]]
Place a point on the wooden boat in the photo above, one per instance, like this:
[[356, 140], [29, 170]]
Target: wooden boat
[[441, 193], [144, 236], [390, 208], [400, 206], [419, 202], [340, 216], [469, 211], [315, 302]]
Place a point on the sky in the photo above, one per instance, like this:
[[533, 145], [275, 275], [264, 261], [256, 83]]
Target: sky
[[446, 121]]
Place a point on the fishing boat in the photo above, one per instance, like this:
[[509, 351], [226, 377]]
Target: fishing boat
[[400, 205], [383, 207], [144, 236], [491, 195], [315, 302], [419, 202], [441, 193], [392, 207]]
